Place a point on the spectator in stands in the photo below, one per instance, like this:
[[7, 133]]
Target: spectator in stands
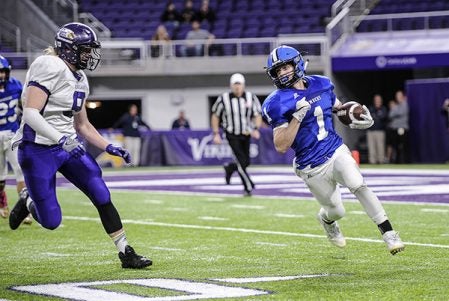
[[188, 13], [206, 13], [129, 123], [181, 123], [194, 46], [171, 16], [160, 41], [398, 116], [445, 111], [376, 134]]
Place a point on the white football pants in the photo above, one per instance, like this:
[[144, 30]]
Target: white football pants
[[342, 169], [8, 155]]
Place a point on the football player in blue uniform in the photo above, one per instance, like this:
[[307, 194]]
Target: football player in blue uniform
[[10, 91], [53, 115], [300, 113]]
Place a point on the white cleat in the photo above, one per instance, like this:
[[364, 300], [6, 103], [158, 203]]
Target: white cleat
[[393, 241], [333, 233]]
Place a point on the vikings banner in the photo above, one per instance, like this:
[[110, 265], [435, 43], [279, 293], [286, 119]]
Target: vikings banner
[[175, 148]]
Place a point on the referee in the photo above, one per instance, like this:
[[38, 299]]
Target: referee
[[239, 113]]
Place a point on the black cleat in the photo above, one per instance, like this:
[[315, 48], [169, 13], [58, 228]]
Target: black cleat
[[20, 210], [228, 174], [130, 260]]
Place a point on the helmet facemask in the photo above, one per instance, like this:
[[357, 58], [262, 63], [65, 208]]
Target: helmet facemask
[[88, 57], [286, 80], [4, 81]]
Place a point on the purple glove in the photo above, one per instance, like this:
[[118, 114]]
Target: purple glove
[[119, 152], [72, 146]]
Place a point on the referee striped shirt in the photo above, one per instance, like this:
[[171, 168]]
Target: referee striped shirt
[[236, 113]]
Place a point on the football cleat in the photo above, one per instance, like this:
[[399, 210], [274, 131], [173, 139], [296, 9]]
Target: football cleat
[[20, 211], [393, 241], [130, 260], [4, 210], [333, 232], [28, 220]]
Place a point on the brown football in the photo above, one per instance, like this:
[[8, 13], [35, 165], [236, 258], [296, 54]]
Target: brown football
[[350, 111]]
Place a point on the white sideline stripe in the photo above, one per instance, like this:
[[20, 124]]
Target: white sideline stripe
[[434, 210], [269, 279], [270, 244], [243, 230]]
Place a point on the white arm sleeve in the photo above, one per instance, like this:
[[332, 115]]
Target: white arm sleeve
[[34, 119]]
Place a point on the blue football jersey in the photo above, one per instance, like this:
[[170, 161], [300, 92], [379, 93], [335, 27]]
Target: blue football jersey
[[9, 100], [316, 139]]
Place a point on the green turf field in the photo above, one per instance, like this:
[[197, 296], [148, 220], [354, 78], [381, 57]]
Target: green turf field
[[198, 238]]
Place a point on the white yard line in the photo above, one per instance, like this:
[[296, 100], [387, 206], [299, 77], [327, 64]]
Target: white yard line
[[270, 244], [241, 206], [434, 210], [212, 218], [287, 215], [270, 279], [243, 230]]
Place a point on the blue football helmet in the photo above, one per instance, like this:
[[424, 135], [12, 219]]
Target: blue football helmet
[[5, 66], [78, 45], [281, 56]]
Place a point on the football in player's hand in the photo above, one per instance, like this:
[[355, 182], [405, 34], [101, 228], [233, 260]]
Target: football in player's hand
[[350, 111]]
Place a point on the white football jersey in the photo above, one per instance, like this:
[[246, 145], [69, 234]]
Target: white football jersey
[[67, 92]]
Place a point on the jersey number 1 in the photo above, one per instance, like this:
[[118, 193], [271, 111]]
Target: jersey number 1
[[322, 133]]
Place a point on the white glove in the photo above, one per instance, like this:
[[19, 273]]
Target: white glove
[[364, 124], [302, 106]]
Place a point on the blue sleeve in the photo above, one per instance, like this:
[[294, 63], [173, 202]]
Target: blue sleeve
[[272, 111]]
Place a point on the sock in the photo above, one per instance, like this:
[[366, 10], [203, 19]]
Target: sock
[[119, 239], [385, 227], [32, 209]]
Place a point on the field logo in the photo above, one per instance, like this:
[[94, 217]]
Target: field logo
[[188, 290]]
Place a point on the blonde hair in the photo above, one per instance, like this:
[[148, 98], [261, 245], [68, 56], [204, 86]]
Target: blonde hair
[[50, 50]]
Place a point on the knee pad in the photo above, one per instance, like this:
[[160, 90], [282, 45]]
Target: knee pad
[[357, 188]]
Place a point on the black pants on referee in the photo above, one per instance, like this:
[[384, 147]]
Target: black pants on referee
[[240, 147]]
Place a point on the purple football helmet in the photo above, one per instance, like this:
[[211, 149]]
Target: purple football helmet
[[78, 45], [5, 67]]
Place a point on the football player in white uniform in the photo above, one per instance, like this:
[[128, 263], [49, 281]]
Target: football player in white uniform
[[53, 115]]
